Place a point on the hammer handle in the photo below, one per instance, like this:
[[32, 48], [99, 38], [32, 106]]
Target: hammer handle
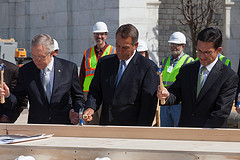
[[2, 97], [161, 87], [158, 114]]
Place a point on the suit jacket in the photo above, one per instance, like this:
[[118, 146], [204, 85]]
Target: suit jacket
[[66, 93], [10, 78], [133, 101], [238, 90], [213, 105]]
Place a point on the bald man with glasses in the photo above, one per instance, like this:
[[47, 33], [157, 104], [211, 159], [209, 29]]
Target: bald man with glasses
[[51, 84]]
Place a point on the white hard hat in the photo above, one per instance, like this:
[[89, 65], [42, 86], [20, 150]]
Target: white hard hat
[[177, 38], [142, 46], [55, 46], [100, 27]]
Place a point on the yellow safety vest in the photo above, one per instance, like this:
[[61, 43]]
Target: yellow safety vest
[[169, 78], [91, 63], [225, 60]]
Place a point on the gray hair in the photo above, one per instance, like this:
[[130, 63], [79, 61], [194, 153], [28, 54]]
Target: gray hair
[[45, 40]]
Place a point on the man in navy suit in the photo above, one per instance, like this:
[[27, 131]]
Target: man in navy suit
[[124, 83], [51, 84], [206, 87]]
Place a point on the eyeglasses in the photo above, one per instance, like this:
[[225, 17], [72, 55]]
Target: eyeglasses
[[205, 52], [174, 45], [39, 57], [100, 34]]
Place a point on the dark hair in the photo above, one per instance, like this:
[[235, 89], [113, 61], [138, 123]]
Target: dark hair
[[211, 35], [45, 40], [146, 54], [128, 30]]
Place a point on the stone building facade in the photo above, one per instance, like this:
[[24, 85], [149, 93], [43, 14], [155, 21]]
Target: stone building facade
[[231, 39], [227, 18], [169, 21], [70, 23]]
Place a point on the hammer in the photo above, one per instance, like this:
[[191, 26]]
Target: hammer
[[81, 116], [161, 81], [2, 66], [162, 101]]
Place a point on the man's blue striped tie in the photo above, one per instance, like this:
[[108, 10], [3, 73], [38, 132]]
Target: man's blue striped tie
[[121, 70]]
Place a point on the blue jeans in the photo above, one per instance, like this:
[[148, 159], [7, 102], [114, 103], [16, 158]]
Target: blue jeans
[[169, 115]]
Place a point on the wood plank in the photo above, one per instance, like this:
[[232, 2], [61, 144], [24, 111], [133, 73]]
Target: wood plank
[[123, 143], [199, 134], [53, 154], [121, 149], [3, 129]]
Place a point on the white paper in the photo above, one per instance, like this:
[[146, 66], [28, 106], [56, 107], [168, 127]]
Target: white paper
[[8, 139]]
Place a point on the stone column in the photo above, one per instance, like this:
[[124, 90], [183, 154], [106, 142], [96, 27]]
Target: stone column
[[231, 36]]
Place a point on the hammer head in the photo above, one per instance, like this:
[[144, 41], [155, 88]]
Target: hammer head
[[2, 66], [159, 70]]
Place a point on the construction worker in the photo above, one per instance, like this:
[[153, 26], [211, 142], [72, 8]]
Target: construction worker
[[55, 48], [142, 48], [169, 115], [222, 58], [90, 59]]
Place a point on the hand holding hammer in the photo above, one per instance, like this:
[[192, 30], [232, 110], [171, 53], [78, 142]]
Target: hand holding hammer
[[161, 82], [162, 101], [2, 80]]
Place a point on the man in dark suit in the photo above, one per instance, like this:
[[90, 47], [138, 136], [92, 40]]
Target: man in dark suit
[[205, 87], [237, 99], [51, 83], [10, 78], [129, 99]]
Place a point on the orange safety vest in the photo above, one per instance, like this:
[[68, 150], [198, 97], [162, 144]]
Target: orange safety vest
[[91, 63]]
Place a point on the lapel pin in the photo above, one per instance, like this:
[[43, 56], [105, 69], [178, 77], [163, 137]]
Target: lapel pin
[[59, 70]]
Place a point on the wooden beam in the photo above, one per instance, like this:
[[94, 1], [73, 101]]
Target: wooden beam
[[123, 143], [121, 149], [3, 129], [193, 134]]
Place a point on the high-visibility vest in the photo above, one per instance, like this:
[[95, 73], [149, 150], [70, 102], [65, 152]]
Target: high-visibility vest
[[224, 60], [169, 78], [91, 63]]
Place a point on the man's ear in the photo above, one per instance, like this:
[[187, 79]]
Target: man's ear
[[136, 44], [219, 49], [183, 46], [52, 53]]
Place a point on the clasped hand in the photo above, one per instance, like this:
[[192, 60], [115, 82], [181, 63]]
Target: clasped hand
[[163, 93]]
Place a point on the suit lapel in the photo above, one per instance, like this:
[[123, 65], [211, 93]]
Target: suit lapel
[[131, 68], [35, 73], [113, 76], [58, 68], [212, 77], [36, 76], [194, 80]]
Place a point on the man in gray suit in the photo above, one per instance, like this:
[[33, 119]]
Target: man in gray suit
[[206, 87], [51, 84]]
